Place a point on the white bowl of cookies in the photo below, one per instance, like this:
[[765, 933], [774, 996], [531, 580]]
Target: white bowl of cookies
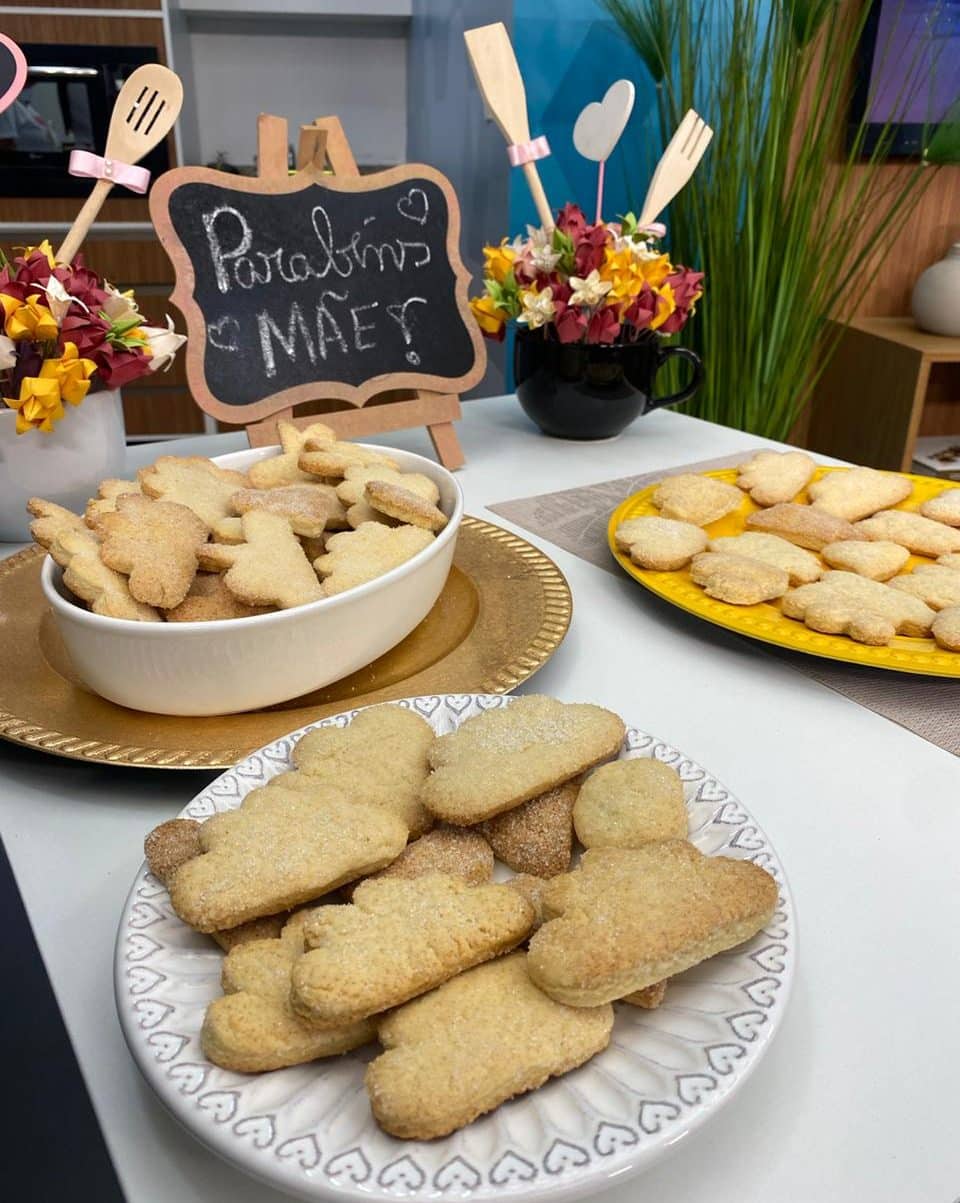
[[215, 586]]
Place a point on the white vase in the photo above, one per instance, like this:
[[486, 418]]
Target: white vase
[[86, 446], [936, 296]]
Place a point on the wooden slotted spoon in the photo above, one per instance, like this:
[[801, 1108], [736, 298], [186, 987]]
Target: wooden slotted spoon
[[677, 164], [146, 108], [501, 86]]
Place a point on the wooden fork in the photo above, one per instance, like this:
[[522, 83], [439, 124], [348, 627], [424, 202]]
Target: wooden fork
[[677, 164]]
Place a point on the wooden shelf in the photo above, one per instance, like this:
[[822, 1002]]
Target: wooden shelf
[[887, 383]]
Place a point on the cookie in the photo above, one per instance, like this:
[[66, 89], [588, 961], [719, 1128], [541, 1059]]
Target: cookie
[[455, 851], [399, 938], [310, 509], [86, 576], [227, 530], [105, 501], [922, 536], [868, 611], [363, 512], [879, 561], [934, 584], [278, 470], [854, 493], [950, 560], [531, 888], [802, 525], [629, 803], [321, 457], [660, 544], [357, 556], [649, 998], [696, 499], [800, 565], [155, 544], [628, 918], [278, 849], [380, 759], [50, 520], [775, 476], [945, 507], [195, 482], [398, 502], [209, 600], [738, 579], [71, 540], [269, 568], [503, 757], [352, 488], [536, 837], [252, 1028], [509, 1038], [946, 629]]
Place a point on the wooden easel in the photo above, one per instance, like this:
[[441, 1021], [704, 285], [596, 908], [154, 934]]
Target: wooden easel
[[322, 143]]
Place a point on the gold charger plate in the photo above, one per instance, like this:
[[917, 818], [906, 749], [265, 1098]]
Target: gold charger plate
[[765, 622], [502, 614]]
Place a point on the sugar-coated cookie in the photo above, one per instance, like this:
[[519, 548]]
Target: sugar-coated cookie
[[354, 557], [352, 488], [868, 611], [399, 938], [282, 469], [945, 507], [736, 579], [946, 629], [503, 757], [194, 482], [660, 544], [627, 918], [86, 576], [774, 476], [508, 1038], [362, 511], [322, 457], [456, 851], [802, 525], [269, 568], [50, 520], [406, 506], [935, 584], [629, 803], [310, 509], [853, 493], [531, 887], [71, 541], [209, 600], [696, 499], [227, 530], [922, 536], [649, 998], [879, 561], [800, 565], [950, 560], [105, 501], [253, 1028], [536, 837], [155, 545]]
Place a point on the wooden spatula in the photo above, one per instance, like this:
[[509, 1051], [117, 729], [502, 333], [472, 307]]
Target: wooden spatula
[[501, 86], [146, 108], [677, 164]]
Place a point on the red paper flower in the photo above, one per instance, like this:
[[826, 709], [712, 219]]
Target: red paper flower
[[687, 288], [120, 366], [570, 325], [603, 327], [32, 269], [84, 284], [571, 220], [588, 250], [641, 310], [88, 332]]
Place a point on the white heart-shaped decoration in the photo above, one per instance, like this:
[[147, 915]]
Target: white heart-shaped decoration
[[601, 123]]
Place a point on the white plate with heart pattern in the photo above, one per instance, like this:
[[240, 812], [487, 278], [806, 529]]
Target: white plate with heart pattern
[[309, 1131]]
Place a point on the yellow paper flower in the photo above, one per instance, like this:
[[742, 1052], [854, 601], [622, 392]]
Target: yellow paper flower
[[30, 320], [666, 304], [44, 247], [39, 405], [71, 373], [490, 317], [498, 261], [627, 274]]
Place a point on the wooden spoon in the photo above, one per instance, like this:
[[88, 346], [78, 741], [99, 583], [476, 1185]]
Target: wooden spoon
[[146, 108], [501, 86], [677, 164]]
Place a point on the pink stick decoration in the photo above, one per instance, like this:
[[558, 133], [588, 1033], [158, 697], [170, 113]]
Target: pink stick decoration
[[600, 166]]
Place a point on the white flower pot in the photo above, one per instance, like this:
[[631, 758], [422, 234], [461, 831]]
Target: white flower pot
[[936, 296], [65, 466]]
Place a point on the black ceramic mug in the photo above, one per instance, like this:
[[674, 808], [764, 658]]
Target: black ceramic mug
[[593, 391]]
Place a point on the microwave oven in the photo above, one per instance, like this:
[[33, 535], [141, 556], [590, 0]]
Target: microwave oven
[[65, 105]]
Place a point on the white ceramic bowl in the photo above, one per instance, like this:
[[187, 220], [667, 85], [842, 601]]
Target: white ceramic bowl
[[223, 667]]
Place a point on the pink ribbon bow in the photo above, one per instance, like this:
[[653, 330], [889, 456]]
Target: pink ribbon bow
[[525, 152], [93, 167]]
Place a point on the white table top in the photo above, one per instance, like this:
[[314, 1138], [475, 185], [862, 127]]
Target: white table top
[[856, 1099]]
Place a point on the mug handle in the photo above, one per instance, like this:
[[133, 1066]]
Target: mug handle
[[663, 354]]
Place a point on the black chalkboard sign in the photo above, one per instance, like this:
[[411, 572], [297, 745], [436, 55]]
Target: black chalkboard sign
[[316, 287]]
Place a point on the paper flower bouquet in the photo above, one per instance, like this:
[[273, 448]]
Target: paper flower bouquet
[[65, 331], [581, 283]]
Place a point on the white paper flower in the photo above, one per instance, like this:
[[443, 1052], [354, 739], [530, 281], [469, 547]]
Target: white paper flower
[[589, 290], [59, 300], [119, 306], [164, 344], [538, 308], [8, 353]]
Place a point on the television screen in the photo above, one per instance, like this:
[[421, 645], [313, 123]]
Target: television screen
[[910, 72]]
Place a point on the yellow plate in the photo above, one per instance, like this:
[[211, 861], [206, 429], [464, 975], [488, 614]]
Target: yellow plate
[[765, 622]]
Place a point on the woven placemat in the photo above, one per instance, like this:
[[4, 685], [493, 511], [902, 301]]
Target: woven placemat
[[576, 520]]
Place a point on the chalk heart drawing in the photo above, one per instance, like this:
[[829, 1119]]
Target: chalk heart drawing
[[601, 123], [288, 1127], [224, 334], [414, 206]]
